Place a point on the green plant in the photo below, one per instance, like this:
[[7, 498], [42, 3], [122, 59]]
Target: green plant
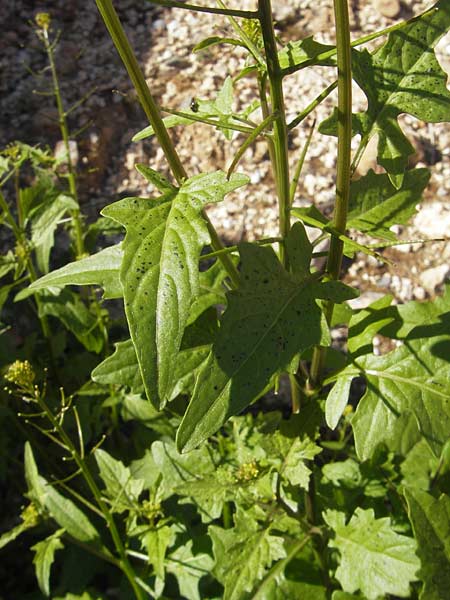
[[210, 504]]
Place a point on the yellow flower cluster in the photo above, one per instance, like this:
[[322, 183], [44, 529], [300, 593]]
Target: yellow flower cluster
[[247, 471], [21, 374]]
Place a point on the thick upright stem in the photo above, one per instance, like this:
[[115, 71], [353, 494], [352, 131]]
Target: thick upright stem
[[280, 131], [150, 108], [343, 173]]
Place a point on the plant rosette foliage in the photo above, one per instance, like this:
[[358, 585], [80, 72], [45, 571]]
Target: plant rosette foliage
[[208, 497]]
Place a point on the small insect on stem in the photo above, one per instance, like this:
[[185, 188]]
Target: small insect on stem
[[194, 105]]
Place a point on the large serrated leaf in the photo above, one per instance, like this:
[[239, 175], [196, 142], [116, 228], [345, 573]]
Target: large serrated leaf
[[408, 392], [159, 271], [99, 269], [270, 318], [430, 518], [243, 557], [403, 76], [189, 568], [375, 204], [374, 558]]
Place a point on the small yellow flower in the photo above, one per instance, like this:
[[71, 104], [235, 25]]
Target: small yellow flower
[[30, 515], [43, 20]]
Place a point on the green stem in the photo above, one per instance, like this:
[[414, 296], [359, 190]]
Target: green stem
[[150, 108], [280, 132], [123, 561], [343, 173], [302, 115], [71, 174], [299, 166], [246, 14]]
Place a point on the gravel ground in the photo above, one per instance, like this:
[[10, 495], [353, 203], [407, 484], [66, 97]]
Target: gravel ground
[[163, 40]]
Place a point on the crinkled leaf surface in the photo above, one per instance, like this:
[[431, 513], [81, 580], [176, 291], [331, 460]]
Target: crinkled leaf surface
[[159, 270], [156, 541], [412, 380], [44, 557], [374, 558], [430, 518], [243, 556], [403, 76], [98, 269], [269, 319], [189, 568], [375, 204], [120, 486]]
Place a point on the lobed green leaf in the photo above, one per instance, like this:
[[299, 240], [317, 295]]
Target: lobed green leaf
[[159, 271]]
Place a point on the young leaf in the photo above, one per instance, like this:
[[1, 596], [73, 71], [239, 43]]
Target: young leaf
[[159, 271], [243, 556], [44, 557], [99, 269], [430, 519], [156, 541], [374, 558], [270, 318], [214, 41], [403, 76], [44, 223], [76, 317], [36, 489], [337, 400], [189, 568], [375, 204], [295, 54], [158, 180], [121, 368], [299, 249], [412, 380], [177, 469], [121, 488]]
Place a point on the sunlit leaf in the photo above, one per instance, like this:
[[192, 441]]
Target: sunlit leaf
[[430, 518], [374, 558], [270, 318], [159, 271], [99, 269]]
